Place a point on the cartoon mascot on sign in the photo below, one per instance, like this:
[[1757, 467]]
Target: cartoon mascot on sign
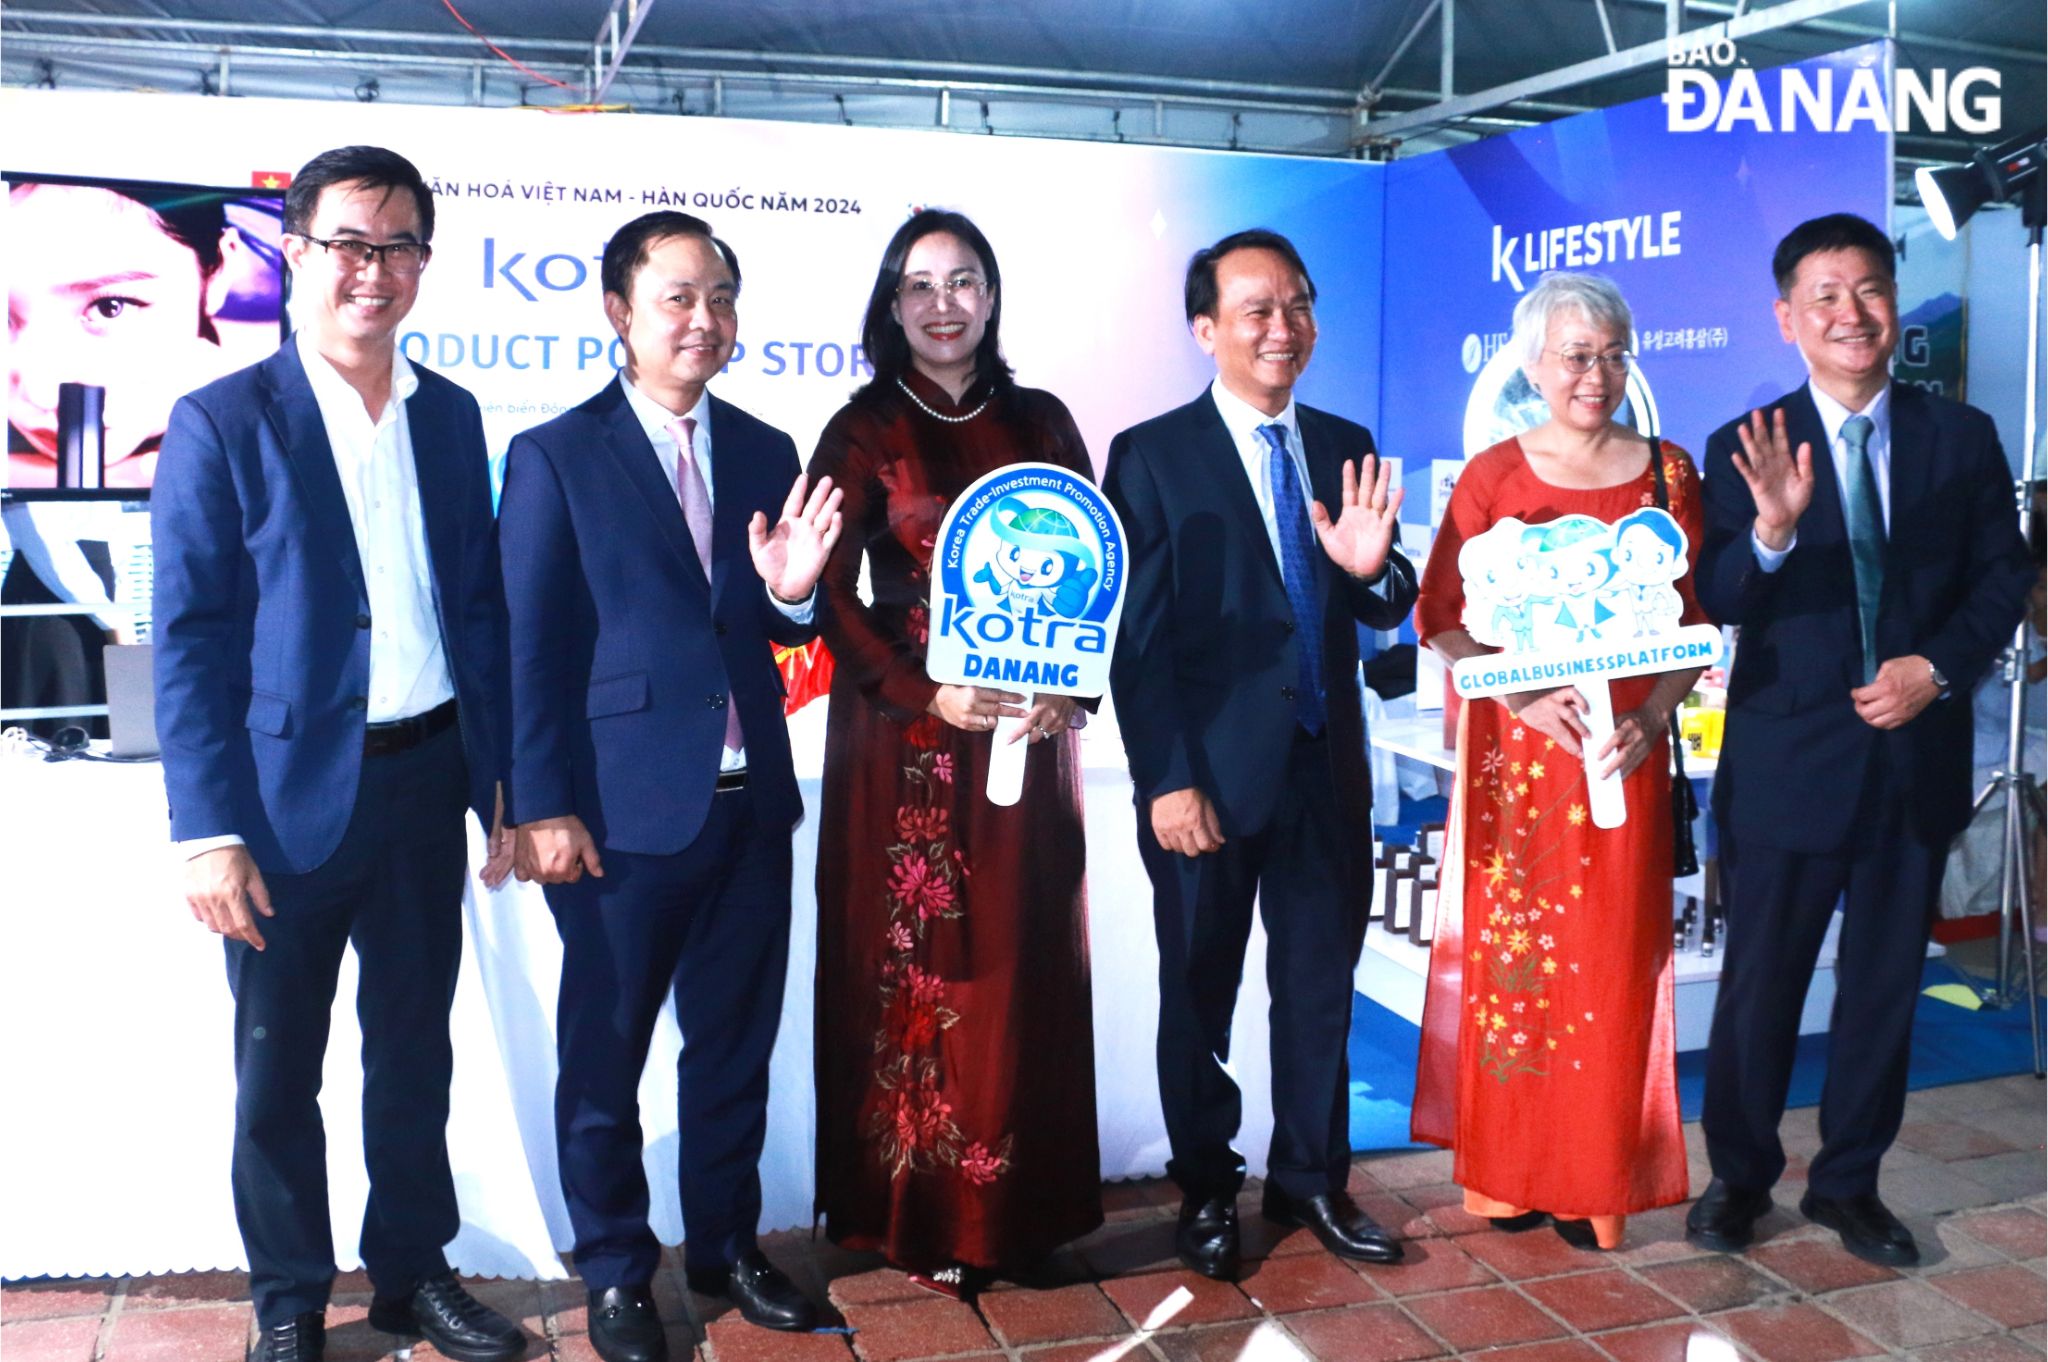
[[1500, 603], [1649, 555], [1042, 561], [1574, 553]]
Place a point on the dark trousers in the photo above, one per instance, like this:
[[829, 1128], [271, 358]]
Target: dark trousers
[[1779, 903], [393, 890], [1202, 914], [708, 926]]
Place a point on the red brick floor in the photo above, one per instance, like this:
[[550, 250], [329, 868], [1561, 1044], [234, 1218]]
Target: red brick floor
[[1967, 1176]]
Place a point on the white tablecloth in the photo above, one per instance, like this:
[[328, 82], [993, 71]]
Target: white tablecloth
[[118, 1024]]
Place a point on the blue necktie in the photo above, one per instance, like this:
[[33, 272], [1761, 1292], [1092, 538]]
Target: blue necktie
[[1865, 514], [1298, 571]]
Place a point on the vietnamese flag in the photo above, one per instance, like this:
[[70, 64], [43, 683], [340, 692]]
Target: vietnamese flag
[[270, 179], [806, 673]]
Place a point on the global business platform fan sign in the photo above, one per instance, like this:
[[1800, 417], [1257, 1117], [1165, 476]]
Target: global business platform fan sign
[[1027, 590], [1579, 602]]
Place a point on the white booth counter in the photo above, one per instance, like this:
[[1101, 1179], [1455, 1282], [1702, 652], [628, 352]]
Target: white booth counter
[[116, 1008], [119, 1026]]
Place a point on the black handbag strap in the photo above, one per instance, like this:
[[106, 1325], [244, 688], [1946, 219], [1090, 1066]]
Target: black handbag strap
[[1677, 735], [1664, 504]]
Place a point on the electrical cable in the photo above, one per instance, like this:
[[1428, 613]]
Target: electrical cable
[[69, 743], [501, 52]]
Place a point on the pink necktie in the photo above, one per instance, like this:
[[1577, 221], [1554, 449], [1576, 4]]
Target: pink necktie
[[696, 499]]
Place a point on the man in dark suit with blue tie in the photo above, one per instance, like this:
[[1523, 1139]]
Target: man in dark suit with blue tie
[[1862, 536], [329, 671], [650, 778], [1235, 681]]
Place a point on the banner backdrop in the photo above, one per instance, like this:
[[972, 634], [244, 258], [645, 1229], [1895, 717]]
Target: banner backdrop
[[1683, 222], [1429, 254], [1092, 239], [1418, 263]]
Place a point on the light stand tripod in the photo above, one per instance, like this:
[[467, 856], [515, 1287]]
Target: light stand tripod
[[2011, 171], [2019, 908]]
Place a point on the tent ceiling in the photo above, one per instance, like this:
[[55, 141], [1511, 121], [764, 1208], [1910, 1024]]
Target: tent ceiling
[[1290, 77]]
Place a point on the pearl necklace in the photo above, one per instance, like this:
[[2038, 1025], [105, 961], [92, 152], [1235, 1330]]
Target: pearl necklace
[[941, 416]]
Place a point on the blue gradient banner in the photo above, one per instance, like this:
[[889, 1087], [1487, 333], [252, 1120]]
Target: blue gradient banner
[[1683, 222]]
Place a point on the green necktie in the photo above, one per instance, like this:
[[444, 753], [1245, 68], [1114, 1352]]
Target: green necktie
[[1866, 534]]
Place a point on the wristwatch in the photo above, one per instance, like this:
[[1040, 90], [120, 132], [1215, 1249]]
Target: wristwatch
[[1940, 681]]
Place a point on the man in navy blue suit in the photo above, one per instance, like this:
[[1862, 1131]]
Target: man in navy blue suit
[[650, 778], [1235, 685], [329, 670], [1862, 535]]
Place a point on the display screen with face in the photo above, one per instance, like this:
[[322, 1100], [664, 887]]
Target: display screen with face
[[145, 291]]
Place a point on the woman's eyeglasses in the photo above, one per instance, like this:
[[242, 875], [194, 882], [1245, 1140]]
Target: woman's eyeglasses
[[1615, 362], [924, 289]]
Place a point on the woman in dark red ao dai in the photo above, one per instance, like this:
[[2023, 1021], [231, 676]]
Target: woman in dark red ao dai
[[955, 1045]]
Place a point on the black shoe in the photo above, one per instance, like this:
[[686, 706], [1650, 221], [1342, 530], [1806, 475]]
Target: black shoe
[[1517, 1224], [1578, 1233], [766, 1298], [458, 1324], [1868, 1228], [1207, 1238], [303, 1338], [1724, 1218], [625, 1326], [1333, 1218]]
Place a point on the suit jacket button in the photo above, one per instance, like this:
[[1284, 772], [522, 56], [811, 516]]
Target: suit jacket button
[[1290, 626], [358, 702], [362, 621], [1287, 694], [714, 702], [718, 628]]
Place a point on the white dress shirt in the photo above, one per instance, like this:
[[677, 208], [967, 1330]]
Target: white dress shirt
[[380, 482], [654, 419], [1878, 449], [1243, 420]]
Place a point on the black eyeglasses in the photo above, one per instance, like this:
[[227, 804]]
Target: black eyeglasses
[[399, 257]]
